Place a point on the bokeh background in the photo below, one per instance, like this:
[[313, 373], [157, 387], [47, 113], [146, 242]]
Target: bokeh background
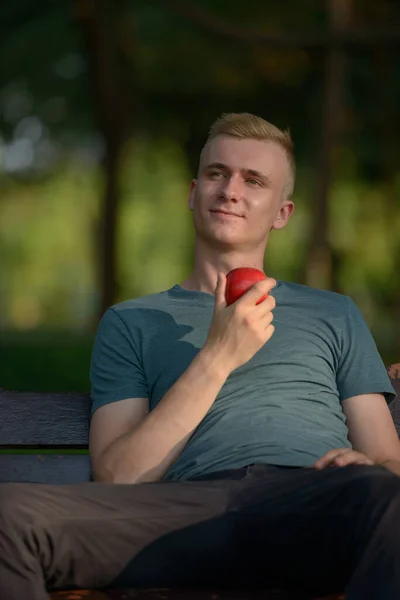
[[104, 107]]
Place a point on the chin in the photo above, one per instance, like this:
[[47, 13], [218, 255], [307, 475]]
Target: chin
[[216, 233], [222, 241]]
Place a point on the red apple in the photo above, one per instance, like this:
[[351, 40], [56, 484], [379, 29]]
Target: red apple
[[238, 281]]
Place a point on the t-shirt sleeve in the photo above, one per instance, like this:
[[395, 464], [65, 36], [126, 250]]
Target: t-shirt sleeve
[[360, 368], [116, 371]]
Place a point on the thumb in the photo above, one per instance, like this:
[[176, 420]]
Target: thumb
[[220, 299]]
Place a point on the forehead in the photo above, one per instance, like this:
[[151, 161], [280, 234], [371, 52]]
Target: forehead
[[265, 156]]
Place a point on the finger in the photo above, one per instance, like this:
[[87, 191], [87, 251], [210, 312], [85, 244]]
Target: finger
[[354, 458], [330, 456], [265, 315], [266, 306], [220, 300], [323, 464], [270, 330], [257, 290], [269, 317]]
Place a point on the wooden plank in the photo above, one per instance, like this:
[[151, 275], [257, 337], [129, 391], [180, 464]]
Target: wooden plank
[[45, 468], [44, 419], [62, 419], [168, 594]]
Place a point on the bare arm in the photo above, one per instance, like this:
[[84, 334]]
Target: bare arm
[[372, 434], [145, 452], [371, 427], [147, 444]]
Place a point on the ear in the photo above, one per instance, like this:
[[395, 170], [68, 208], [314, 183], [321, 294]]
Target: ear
[[285, 212], [193, 184]]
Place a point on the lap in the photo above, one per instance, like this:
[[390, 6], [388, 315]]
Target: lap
[[255, 487], [243, 523], [137, 534], [304, 526]]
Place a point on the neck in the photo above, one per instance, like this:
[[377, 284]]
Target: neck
[[209, 262]]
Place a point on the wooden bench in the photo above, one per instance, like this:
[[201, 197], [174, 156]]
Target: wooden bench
[[46, 438]]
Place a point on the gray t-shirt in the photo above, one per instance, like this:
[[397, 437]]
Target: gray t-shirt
[[283, 407]]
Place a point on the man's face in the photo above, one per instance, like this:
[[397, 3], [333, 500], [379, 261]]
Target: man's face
[[245, 177]]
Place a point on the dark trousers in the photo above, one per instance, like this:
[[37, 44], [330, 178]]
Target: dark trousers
[[258, 527]]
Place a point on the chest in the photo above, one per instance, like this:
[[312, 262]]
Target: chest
[[303, 351]]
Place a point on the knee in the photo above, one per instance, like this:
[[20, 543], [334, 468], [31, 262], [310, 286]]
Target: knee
[[14, 504], [11, 496]]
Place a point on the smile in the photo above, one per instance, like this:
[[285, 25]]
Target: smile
[[225, 215]]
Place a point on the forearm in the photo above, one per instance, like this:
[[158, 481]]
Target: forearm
[[392, 465], [146, 453]]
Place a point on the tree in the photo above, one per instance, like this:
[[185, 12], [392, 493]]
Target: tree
[[113, 107]]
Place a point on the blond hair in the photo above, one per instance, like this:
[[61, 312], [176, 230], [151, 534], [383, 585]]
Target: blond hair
[[246, 125]]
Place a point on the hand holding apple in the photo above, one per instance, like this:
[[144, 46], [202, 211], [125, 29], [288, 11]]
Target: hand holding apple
[[238, 331], [239, 281]]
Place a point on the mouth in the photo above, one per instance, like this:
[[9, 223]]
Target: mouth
[[223, 213]]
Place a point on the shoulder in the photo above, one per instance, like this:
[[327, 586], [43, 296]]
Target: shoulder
[[313, 297], [156, 300], [138, 313], [338, 312]]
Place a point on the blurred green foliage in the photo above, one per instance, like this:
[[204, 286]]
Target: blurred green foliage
[[40, 362], [179, 78]]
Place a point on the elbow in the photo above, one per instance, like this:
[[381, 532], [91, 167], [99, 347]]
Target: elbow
[[104, 476], [121, 477], [106, 470], [103, 472]]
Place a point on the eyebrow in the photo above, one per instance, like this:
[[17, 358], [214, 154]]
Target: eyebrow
[[252, 172]]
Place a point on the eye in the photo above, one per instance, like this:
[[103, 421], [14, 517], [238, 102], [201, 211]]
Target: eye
[[253, 181], [216, 174]]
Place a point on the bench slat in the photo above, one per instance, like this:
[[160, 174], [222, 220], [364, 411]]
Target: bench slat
[[44, 419], [45, 468], [180, 594]]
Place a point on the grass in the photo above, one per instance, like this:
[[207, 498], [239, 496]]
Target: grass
[[52, 361]]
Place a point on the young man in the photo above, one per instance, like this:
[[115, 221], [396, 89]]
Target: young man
[[233, 446]]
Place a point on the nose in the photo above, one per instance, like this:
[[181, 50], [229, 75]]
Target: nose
[[230, 189]]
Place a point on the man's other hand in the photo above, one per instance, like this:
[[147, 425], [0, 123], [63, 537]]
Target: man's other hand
[[342, 457]]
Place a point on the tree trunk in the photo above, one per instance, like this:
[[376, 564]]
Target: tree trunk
[[389, 134], [98, 24], [319, 266]]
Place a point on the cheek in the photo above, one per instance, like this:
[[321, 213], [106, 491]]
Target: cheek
[[261, 215], [261, 223], [203, 198]]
